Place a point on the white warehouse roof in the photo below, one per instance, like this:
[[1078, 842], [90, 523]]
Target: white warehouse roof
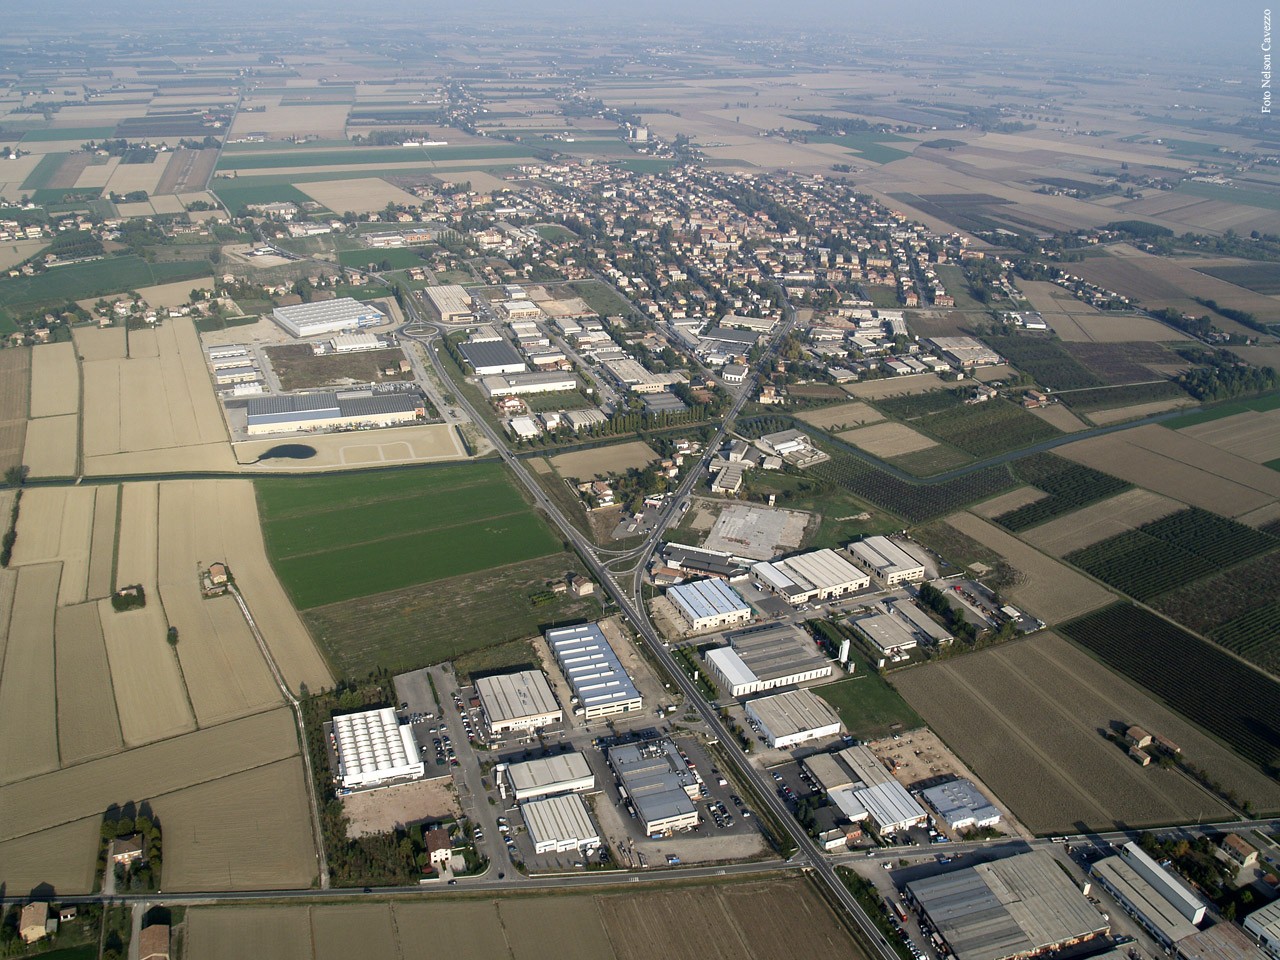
[[559, 824], [516, 696], [703, 599], [593, 669], [816, 572], [562, 773], [327, 316], [794, 716], [885, 557], [372, 746]]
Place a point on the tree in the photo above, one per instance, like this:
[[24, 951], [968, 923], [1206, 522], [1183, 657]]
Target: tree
[[172, 636]]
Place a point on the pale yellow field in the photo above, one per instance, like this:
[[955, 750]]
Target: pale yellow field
[[55, 380], [1133, 412], [418, 444], [354, 929], [99, 343], [51, 446], [1121, 329], [28, 708], [14, 252], [1262, 516], [102, 548], [847, 415], [235, 516], [1057, 415], [1008, 501], [172, 295], [64, 857], [128, 177], [277, 933], [1098, 521], [54, 523], [1048, 590], [150, 695], [247, 831], [889, 439], [1252, 435], [480, 181], [896, 386], [586, 464], [88, 725], [364, 195], [1180, 467], [86, 789], [144, 343], [139, 536], [98, 174], [541, 930], [221, 663], [324, 121]]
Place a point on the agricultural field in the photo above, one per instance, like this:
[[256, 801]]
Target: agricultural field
[[614, 458], [841, 416], [1171, 552], [63, 857], [1046, 360], [15, 392], [56, 525], [895, 386], [1044, 587], [55, 381], [888, 439], [868, 706], [1117, 363], [1164, 392], [402, 446], [1069, 486], [358, 194], [444, 619], [28, 701], [1263, 278], [775, 919], [1098, 521], [1041, 704], [337, 538], [1234, 702], [88, 725], [1253, 435], [97, 278], [299, 368]]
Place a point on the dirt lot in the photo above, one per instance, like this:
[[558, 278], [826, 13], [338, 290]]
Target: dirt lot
[[887, 440], [247, 831], [760, 533], [1056, 415], [1252, 435], [920, 757], [585, 464], [299, 368], [1098, 521], [381, 811], [371, 448], [1180, 467], [1047, 589], [841, 415], [897, 386], [28, 700], [55, 380], [1043, 704], [88, 725]]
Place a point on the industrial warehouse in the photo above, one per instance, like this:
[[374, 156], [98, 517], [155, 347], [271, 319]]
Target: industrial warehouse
[[794, 717], [961, 805], [1149, 893], [888, 561], [899, 629], [659, 784], [331, 411], [600, 684], [372, 747], [548, 776], [766, 657], [327, 316], [489, 357], [451, 302], [518, 701], [857, 782], [560, 824], [526, 384], [806, 577], [1016, 907], [707, 604]]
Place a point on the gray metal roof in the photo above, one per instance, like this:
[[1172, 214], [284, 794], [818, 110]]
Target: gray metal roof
[[490, 353], [591, 666], [654, 776], [516, 696], [775, 650], [706, 598], [959, 800]]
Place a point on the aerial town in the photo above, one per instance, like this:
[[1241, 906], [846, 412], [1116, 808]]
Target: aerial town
[[502, 491]]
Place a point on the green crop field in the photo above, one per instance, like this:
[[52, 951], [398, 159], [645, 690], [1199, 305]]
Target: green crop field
[[79, 134], [97, 278], [1235, 702], [399, 258], [325, 158], [463, 616], [983, 429], [1262, 199], [1105, 398], [1217, 412], [866, 144], [1070, 486], [44, 171], [868, 706], [236, 195], [341, 537], [600, 298]]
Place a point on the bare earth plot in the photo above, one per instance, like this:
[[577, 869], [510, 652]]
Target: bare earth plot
[[1008, 501], [65, 858], [1134, 411], [55, 380], [1022, 706], [15, 394], [368, 448], [27, 689], [618, 458], [1098, 521], [150, 695], [890, 439], [349, 930], [277, 933], [848, 415], [1056, 415], [102, 550], [896, 386], [247, 831], [1180, 467], [362, 195], [1048, 589], [51, 446], [380, 811], [88, 725], [1253, 435]]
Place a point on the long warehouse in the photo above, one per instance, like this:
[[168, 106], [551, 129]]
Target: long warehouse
[[659, 784], [548, 776], [766, 657], [288, 413], [327, 316], [596, 675], [793, 717], [373, 747], [559, 824], [886, 560], [706, 604], [806, 577]]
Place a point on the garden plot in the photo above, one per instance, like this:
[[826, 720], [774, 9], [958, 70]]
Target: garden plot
[[150, 695], [28, 698], [1046, 589], [1098, 521], [886, 440], [55, 380], [88, 725]]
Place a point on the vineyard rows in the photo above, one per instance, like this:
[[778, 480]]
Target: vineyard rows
[[1107, 397], [1254, 636], [914, 502], [1046, 360], [1070, 486], [1224, 696], [986, 429]]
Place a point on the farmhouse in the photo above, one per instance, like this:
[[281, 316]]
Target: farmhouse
[[659, 783], [1016, 907], [126, 849], [373, 747], [793, 717], [451, 302], [518, 701], [287, 413], [961, 805], [806, 577], [766, 657], [327, 317], [33, 922], [439, 846], [588, 661], [560, 824], [548, 776], [489, 357], [153, 942], [886, 560], [1238, 850], [706, 604]]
